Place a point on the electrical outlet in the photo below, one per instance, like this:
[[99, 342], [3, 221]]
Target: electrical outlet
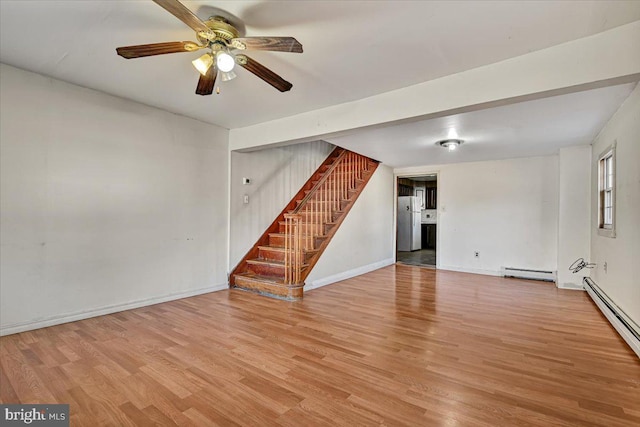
[[476, 254], [605, 266]]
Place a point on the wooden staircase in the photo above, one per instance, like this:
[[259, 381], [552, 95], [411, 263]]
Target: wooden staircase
[[280, 261]]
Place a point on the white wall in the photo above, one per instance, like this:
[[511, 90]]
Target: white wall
[[621, 281], [105, 203], [574, 216], [507, 210], [364, 241], [277, 174]]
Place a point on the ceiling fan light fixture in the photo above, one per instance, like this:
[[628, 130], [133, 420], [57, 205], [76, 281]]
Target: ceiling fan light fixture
[[219, 37], [450, 144], [225, 62], [228, 75], [203, 63]]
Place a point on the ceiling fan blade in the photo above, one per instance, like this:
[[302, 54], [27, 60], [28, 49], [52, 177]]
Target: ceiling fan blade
[[263, 72], [206, 83], [277, 44], [181, 12], [142, 50]]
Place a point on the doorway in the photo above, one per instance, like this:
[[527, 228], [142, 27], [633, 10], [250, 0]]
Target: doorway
[[417, 219]]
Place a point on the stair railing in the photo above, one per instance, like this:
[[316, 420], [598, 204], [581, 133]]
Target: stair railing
[[307, 221], [292, 248]]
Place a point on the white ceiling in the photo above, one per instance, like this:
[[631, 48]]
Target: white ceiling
[[532, 128], [353, 49]]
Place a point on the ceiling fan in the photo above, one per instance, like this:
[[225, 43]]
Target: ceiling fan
[[222, 41]]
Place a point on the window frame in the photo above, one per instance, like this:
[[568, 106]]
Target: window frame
[[606, 171]]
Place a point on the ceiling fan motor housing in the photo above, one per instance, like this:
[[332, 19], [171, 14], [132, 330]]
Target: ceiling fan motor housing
[[221, 31]]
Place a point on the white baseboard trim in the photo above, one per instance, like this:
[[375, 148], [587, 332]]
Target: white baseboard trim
[[571, 286], [629, 338], [85, 314], [347, 274], [470, 270]]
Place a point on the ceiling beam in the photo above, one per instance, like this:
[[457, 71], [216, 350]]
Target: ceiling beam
[[604, 59]]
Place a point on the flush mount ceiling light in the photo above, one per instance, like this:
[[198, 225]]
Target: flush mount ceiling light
[[450, 144]]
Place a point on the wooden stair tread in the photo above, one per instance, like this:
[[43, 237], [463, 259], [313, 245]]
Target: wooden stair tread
[[301, 222], [305, 212], [262, 261], [333, 212], [307, 236], [358, 181], [323, 201], [262, 278], [322, 191], [281, 249], [304, 236], [268, 285]]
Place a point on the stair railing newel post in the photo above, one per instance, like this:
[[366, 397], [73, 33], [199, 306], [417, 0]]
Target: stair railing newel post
[[287, 256], [297, 249], [293, 249]]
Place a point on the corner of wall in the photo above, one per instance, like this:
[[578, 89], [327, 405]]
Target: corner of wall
[[619, 281]]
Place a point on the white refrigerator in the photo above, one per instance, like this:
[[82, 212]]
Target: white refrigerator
[[409, 225]]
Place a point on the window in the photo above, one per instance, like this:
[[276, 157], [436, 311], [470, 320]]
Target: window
[[607, 192]]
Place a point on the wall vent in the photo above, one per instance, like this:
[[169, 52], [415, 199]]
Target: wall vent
[[626, 327], [524, 273]]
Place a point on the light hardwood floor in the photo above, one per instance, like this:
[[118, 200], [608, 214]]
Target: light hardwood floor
[[399, 346]]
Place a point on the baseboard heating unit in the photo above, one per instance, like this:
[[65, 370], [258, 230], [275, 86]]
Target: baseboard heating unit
[[523, 273], [626, 327]]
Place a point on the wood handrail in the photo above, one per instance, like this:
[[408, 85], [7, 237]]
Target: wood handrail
[[320, 181], [324, 200]]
